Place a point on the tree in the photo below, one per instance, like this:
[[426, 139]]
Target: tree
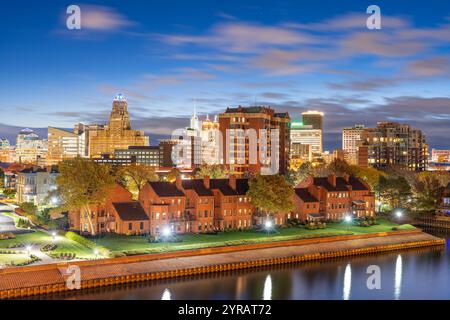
[[2, 178], [214, 171], [172, 175], [428, 191], [370, 175], [271, 193], [82, 183], [10, 193], [135, 176], [394, 190], [339, 167], [29, 208], [294, 177]]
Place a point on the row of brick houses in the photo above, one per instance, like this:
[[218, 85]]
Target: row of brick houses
[[207, 205]]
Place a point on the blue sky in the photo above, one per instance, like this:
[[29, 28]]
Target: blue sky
[[169, 56]]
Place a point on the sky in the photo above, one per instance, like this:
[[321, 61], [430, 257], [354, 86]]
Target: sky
[[169, 57]]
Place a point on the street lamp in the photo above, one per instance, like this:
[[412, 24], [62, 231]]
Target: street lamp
[[348, 220], [268, 225], [96, 252], [54, 201], [399, 213], [166, 232], [28, 249], [54, 236]]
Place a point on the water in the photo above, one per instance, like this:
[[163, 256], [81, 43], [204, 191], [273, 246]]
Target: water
[[412, 274]]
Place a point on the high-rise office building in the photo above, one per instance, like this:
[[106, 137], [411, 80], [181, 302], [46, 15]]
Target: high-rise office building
[[313, 118], [117, 134], [351, 138], [307, 135], [256, 139], [62, 144], [30, 148], [147, 155], [393, 144], [84, 131]]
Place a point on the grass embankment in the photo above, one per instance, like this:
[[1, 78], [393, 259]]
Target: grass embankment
[[41, 238], [139, 245]]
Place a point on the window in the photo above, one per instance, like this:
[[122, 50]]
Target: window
[[141, 226], [130, 226]]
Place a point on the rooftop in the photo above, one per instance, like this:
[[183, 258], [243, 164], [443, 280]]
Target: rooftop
[[130, 211], [166, 189]]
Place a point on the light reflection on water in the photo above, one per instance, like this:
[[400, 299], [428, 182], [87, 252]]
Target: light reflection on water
[[421, 273]]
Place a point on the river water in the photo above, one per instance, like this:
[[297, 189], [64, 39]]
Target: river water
[[412, 274]]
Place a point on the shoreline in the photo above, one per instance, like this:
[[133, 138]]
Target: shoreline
[[51, 278]]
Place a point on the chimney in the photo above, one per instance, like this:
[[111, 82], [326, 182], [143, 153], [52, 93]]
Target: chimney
[[332, 180], [206, 182], [178, 183], [232, 181]]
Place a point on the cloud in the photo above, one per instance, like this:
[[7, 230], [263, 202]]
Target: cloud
[[433, 66], [242, 37], [101, 18]]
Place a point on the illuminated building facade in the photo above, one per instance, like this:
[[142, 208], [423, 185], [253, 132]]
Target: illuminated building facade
[[62, 144], [117, 134], [393, 144], [245, 155], [30, 148]]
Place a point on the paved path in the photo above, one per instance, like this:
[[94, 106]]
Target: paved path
[[7, 223], [52, 275]]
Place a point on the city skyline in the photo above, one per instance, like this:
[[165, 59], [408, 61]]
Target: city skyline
[[291, 57]]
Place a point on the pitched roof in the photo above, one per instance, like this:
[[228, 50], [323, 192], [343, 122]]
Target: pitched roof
[[130, 211], [198, 186], [242, 186], [166, 189], [341, 184], [224, 187], [305, 195]]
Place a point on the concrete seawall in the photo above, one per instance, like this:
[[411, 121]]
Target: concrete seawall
[[43, 279]]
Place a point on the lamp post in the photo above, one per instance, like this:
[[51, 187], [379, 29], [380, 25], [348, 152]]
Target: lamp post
[[268, 225], [96, 252], [166, 232], [348, 220], [54, 236], [28, 249]]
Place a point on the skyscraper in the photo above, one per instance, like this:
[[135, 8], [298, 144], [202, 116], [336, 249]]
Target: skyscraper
[[306, 134], [313, 118], [117, 134]]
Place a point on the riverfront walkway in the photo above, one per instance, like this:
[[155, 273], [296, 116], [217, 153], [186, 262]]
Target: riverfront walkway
[[39, 279]]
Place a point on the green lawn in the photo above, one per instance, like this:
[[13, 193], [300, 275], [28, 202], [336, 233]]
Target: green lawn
[[42, 238], [136, 244], [14, 258], [140, 245]]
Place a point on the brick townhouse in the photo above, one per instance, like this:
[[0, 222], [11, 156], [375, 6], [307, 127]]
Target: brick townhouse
[[206, 205], [332, 198], [120, 214]]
